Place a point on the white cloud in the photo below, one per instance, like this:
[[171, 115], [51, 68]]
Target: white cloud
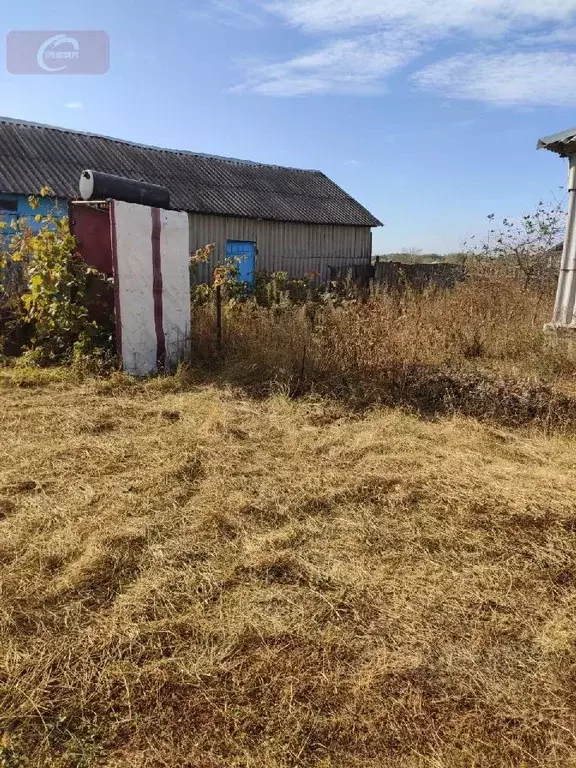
[[508, 79], [74, 105], [340, 66], [361, 43], [483, 16]]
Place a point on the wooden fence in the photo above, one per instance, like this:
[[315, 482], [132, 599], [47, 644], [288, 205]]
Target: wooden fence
[[397, 276]]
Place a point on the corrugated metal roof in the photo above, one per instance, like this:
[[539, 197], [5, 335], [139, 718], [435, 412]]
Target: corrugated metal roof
[[32, 155], [564, 143]]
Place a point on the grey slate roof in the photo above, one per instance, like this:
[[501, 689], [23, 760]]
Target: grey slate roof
[[564, 143], [32, 155]]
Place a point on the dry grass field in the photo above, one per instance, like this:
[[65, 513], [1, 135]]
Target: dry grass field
[[196, 577]]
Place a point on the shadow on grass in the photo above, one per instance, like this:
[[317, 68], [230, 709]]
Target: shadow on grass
[[428, 391]]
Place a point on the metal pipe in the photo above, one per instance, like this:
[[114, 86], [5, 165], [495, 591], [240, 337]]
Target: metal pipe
[[566, 294], [219, 318]]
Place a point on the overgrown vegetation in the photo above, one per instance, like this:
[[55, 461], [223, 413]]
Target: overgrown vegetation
[[46, 291], [477, 349]]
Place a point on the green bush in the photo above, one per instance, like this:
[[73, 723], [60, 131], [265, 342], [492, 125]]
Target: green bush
[[46, 289]]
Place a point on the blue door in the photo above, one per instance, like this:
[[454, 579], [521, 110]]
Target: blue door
[[245, 254]]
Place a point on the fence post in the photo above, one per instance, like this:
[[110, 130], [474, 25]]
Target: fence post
[[219, 318]]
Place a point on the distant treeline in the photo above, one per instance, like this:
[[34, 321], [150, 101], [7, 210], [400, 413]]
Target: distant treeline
[[419, 257]]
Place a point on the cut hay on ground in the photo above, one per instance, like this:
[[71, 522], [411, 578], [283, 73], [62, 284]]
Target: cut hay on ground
[[196, 579]]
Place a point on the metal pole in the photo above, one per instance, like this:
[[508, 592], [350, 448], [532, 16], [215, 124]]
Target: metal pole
[[219, 318], [566, 294]]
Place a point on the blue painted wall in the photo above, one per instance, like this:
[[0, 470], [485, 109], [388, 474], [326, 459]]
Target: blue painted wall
[[17, 206]]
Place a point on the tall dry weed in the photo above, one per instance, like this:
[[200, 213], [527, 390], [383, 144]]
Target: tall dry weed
[[436, 350]]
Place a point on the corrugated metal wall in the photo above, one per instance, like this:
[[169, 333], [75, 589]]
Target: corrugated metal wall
[[282, 247]]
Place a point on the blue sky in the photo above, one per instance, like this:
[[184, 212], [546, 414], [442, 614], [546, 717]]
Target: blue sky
[[427, 111]]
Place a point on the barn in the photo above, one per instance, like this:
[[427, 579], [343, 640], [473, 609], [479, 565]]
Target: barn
[[274, 218]]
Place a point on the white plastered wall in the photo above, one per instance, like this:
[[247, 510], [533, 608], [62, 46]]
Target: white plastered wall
[[134, 282], [174, 249]]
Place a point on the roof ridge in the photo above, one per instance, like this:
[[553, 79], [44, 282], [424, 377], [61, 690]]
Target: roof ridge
[[222, 158]]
